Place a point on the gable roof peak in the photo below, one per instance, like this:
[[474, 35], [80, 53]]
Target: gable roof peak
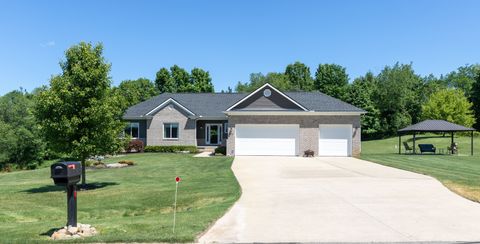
[[262, 88]]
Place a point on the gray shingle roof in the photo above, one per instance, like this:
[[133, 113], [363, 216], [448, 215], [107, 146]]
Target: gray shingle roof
[[435, 126], [213, 104]]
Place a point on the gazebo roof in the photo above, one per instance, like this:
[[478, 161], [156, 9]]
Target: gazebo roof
[[435, 126]]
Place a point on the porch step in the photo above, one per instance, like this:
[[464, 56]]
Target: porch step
[[206, 148]]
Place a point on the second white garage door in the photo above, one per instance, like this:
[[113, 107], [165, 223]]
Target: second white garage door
[[335, 140], [266, 139]]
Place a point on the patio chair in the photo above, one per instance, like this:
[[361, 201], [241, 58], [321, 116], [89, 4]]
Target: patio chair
[[453, 149], [407, 147]]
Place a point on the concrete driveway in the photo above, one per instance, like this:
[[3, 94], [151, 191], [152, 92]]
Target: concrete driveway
[[292, 199]]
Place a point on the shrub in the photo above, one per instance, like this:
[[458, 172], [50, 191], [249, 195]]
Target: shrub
[[221, 150], [128, 162], [171, 149], [136, 145], [90, 162]]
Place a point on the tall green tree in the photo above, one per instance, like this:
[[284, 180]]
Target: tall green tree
[[299, 77], [79, 113], [398, 97], [177, 79], [201, 80], [182, 79], [278, 80], [21, 142], [360, 94], [476, 100], [332, 79], [450, 105], [463, 78], [165, 82], [135, 91]]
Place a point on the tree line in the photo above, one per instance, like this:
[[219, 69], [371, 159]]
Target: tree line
[[393, 98], [79, 114]]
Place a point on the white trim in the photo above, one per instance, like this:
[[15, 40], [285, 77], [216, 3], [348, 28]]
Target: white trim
[[170, 100], [206, 118], [285, 113], [170, 138], [275, 89], [219, 136]]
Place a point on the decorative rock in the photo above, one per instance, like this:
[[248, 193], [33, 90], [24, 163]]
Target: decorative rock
[[70, 232], [116, 165]]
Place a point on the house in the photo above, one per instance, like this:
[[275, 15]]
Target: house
[[263, 122]]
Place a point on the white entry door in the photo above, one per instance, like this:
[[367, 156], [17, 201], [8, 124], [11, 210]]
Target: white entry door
[[255, 139], [335, 140]]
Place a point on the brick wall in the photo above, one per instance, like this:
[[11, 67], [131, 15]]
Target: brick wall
[[171, 114]]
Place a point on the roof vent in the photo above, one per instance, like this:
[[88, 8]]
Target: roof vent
[[267, 92]]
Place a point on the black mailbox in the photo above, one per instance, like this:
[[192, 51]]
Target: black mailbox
[[66, 173]]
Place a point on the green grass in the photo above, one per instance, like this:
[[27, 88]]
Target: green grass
[[460, 173], [135, 204]]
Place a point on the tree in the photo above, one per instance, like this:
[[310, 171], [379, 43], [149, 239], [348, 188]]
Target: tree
[[182, 79], [463, 78], [278, 80], [229, 90], [79, 113], [164, 81], [21, 143], [299, 77], [201, 80], [476, 100], [178, 79], [332, 79], [135, 91], [450, 105], [360, 94], [398, 97]]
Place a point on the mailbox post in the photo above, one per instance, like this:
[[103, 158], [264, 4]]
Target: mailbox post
[[68, 174]]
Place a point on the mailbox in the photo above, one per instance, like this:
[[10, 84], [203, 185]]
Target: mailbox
[[66, 173]]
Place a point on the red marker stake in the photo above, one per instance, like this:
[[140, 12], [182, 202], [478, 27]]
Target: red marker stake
[[177, 179]]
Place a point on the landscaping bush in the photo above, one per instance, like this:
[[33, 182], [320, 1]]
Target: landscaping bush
[[171, 149], [136, 145], [128, 162], [90, 162], [221, 150]]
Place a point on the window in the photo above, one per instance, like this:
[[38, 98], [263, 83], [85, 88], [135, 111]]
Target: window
[[225, 128], [132, 129], [170, 130]]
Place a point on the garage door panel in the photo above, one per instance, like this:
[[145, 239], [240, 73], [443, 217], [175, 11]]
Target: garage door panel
[[266, 139], [333, 147], [335, 140]]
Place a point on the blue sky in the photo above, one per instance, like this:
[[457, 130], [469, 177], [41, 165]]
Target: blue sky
[[232, 39]]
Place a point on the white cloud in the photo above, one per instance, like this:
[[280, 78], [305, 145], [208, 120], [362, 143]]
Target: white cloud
[[48, 44]]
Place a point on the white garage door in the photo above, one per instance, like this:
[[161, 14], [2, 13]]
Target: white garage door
[[335, 140], [266, 139]]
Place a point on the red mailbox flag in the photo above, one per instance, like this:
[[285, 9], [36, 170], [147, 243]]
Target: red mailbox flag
[[177, 179]]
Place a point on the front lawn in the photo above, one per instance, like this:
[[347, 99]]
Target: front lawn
[[460, 173], [133, 204]]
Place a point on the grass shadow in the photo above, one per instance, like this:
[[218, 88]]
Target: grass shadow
[[54, 188], [49, 232]]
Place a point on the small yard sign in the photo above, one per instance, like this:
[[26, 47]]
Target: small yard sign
[[177, 180]]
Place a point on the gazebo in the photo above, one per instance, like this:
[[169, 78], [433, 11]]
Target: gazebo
[[433, 126]]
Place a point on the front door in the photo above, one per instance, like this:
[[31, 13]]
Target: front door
[[213, 134]]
